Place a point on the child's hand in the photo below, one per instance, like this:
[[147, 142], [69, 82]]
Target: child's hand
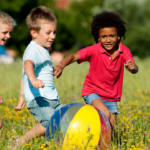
[[1, 101], [131, 66], [21, 104], [37, 83], [57, 70]]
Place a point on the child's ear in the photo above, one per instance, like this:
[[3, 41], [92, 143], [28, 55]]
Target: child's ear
[[33, 34], [98, 39], [118, 37]]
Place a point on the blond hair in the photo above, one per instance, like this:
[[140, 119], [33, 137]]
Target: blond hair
[[37, 16], [6, 19]]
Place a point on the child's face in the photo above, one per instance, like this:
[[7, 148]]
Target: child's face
[[5, 33], [46, 36], [108, 38]]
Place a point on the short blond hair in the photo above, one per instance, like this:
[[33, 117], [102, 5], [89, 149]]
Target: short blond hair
[[6, 19], [37, 16]]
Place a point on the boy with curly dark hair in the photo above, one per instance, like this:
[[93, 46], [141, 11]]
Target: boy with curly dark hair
[[102, 87]]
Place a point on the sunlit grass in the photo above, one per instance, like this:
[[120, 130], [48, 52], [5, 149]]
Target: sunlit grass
[[133, 125]]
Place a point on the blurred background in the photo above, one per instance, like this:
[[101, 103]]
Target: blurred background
[[74, 23]]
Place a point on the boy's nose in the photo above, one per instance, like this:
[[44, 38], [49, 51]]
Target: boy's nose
[[8, 35], [108, 39], [53, 36]]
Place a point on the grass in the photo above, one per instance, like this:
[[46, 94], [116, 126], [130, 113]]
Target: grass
[[133, 123]]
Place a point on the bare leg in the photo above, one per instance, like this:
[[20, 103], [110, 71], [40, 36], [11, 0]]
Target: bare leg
[[102, 107], [36, 131], [1, 123], [113, 123], [113, 119]]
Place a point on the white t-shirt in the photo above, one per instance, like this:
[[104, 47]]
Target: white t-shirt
[[43, 69]]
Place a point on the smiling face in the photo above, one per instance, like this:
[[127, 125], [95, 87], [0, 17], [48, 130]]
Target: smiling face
[[46, 36], [109, 38], [5, 33]]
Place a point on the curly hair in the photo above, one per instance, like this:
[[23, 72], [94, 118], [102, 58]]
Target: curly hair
[[107, 19]]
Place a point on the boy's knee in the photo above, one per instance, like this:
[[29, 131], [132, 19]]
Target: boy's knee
[[107, 113], [113, 120]]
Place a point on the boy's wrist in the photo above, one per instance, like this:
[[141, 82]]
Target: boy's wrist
[[61, 65], [32, 79], [22, 95]]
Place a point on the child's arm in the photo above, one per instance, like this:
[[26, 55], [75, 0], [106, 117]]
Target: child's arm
[[66, 61], [28, 68], [131, 66], [21, 102], [1, 101]]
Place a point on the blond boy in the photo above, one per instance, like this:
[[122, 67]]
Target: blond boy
[[40, 94], [6, 27]]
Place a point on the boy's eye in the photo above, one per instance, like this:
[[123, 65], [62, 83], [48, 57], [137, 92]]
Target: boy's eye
[[5, 32], [103, 36], [112, 35]]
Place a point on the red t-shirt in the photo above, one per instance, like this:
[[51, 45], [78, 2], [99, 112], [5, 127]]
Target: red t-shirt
[[105, 76]]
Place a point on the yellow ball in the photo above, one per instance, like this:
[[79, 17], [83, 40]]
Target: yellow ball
[[79, 126]]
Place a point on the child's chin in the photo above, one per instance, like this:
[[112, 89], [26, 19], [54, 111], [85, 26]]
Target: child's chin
[[2, 43], [49, 46]]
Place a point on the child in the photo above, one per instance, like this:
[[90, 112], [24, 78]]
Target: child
[[6, 27], [102, 87], [40, 93]]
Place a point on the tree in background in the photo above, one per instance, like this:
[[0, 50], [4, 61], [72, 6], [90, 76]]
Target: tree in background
[[136, 15], [74, 23], [19, 10]]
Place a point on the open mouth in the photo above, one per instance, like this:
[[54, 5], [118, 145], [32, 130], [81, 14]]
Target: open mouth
[[4, 40], [51, 42]]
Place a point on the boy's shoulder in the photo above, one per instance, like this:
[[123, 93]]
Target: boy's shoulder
[[31, 49], [31, 45], [93, 47], [123, 48]]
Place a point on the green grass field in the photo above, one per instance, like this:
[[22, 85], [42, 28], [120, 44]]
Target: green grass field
[[133, 123]]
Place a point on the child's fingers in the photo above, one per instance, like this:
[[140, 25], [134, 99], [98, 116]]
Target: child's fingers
[[17, 107], [55, 69], [131, 65], [23, 105], [128, 64], [129, 61], [58, 73], [20, 106], [38, 84], [42, 84]]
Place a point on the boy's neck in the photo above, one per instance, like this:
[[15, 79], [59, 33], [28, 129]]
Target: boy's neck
[[39, 44]]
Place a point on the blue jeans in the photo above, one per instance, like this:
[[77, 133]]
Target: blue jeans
[[42, 109], [112, 106]]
